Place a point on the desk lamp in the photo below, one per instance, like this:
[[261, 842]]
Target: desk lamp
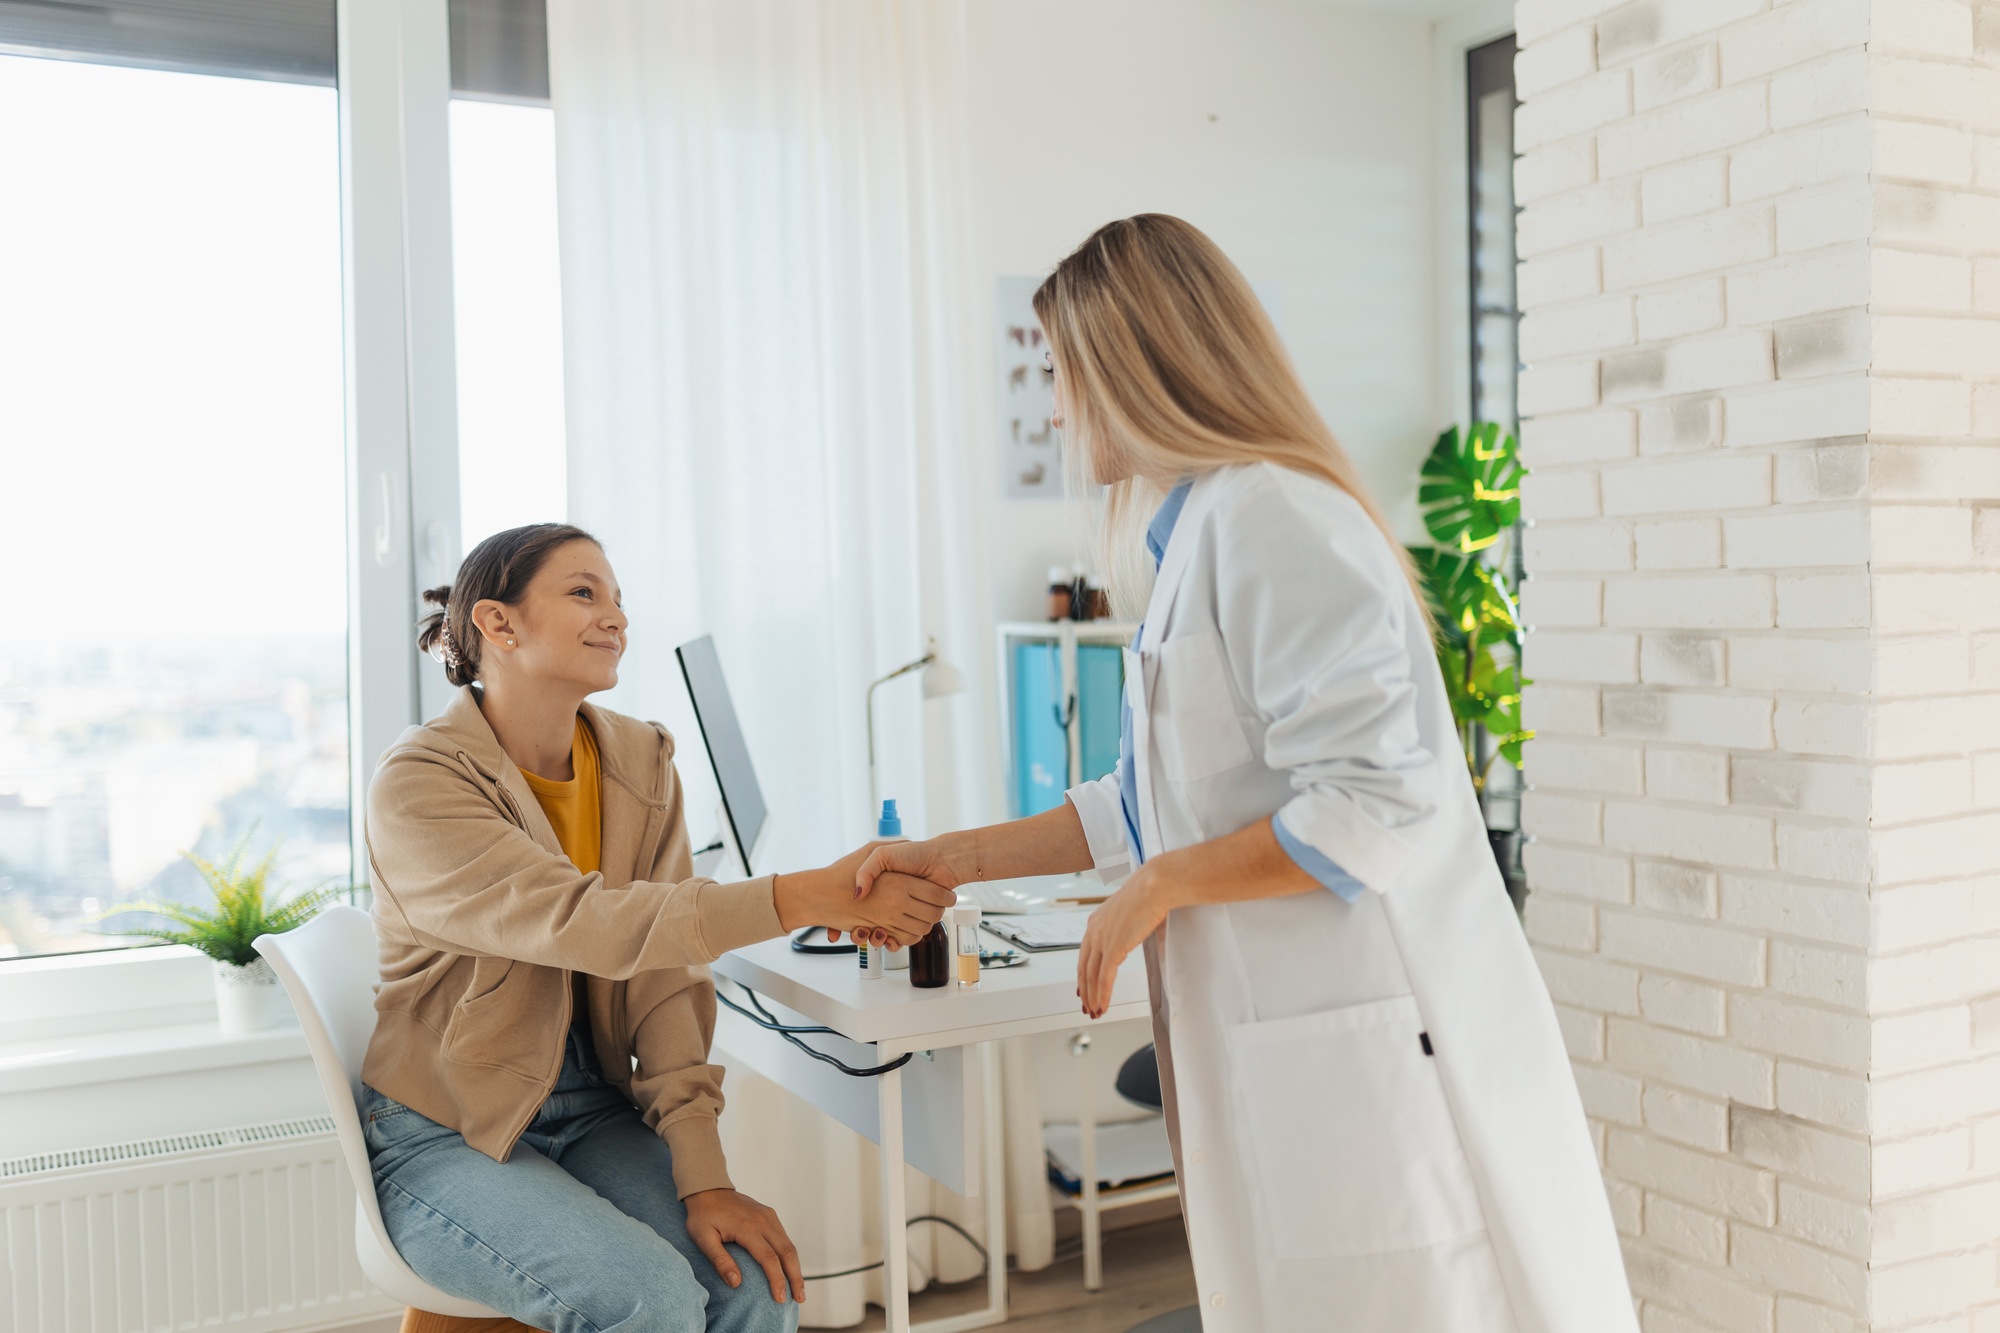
[[940, 679]]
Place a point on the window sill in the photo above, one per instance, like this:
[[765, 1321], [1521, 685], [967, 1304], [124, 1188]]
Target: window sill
[[81, 995], [140, 1052], [80, 1019]]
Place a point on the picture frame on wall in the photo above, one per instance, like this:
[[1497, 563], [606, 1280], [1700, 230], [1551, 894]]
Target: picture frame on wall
[[1030, 447]]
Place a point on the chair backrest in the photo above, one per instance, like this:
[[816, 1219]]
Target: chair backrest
[[1139, 1079], [329, 967]]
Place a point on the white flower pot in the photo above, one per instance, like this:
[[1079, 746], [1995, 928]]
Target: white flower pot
[[247, 998]]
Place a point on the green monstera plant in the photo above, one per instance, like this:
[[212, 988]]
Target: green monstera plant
[[1470, 494]]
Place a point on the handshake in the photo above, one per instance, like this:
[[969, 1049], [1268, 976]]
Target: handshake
[[887, 893]]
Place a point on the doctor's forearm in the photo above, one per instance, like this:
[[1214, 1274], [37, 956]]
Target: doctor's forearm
[[1243, 865], [1050, 843], [1249, 863]]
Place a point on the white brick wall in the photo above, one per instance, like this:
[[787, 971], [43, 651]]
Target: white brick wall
[[1761, 314]]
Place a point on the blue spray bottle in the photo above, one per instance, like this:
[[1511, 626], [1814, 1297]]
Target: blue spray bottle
[[874, 961]]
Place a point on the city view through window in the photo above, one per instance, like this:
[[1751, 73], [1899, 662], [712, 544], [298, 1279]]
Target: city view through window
[[172, 534], [173, 606]]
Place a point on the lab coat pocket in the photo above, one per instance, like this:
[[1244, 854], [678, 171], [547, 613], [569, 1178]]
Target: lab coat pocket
[[1193, 711], [1347, 1133]]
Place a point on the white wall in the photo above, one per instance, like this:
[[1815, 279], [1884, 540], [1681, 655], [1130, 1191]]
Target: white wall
[[1298, 137]]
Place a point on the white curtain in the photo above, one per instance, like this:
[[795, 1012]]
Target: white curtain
[[769, 351], [764, 236]]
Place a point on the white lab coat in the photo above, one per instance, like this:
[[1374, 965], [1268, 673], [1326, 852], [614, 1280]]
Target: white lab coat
[[1334, 1176]]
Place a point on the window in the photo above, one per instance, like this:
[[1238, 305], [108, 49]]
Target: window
[[1495, 322], [1490, 103], [512, 467], [175, 668], [511, 459], [172, 521]]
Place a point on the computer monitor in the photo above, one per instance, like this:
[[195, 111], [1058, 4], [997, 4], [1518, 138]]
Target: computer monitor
[[742, 799]]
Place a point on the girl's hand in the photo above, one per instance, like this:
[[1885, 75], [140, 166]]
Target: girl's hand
[[715, 1218], [1119, 925], [925, 860], [902, 911], [890, 866]]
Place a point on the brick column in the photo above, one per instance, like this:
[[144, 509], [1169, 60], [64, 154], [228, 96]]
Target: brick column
[[1761, 274]]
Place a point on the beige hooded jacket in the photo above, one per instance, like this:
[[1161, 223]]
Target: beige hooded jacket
[[482, 920]]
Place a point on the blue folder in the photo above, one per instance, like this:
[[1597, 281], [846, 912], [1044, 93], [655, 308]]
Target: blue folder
[[1041, 746], [1100, 686]]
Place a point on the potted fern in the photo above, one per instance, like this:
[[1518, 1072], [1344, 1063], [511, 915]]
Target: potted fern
[[1470, 494], [247, 995]]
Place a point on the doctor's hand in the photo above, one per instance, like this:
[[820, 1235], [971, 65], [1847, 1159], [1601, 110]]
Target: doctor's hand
[[902, 913], [717, 1218], [890, 868], [903, 906], [1120, 924], [901, 910], [926, 860]]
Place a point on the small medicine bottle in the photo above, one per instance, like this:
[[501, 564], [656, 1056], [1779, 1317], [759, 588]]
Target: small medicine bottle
[[930, 959], [1059, 593], [965, 945]]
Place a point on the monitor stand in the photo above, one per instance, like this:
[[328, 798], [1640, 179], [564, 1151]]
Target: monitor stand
[[709, 860], [722, 857]]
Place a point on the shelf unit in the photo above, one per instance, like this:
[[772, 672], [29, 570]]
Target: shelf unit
[[1066, 635], [1093, 1200]]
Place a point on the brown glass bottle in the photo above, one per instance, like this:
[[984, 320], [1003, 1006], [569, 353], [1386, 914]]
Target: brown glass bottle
[[930, 959]]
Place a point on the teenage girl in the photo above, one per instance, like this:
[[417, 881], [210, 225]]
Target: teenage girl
[[538, 1101]]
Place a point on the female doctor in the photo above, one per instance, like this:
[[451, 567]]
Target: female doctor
[[1373, 1116]]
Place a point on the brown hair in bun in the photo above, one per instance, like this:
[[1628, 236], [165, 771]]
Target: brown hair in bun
[[499, 569]]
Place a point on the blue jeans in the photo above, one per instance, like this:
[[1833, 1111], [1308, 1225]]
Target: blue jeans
[[579, 1231]]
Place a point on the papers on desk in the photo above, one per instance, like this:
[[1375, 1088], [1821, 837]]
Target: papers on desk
[[1049, 930]]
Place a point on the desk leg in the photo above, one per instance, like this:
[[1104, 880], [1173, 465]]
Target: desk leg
[[995, 1178], [1093, 1211], [895, 1210], [993, 1174]]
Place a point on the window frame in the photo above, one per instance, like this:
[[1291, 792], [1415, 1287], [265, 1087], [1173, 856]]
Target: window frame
[[1451, 40], [1489, 68], [394, 83]]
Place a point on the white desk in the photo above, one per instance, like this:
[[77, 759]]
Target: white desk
[[886, 1018]]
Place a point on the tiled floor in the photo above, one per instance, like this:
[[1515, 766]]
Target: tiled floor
[[1146, 1273]]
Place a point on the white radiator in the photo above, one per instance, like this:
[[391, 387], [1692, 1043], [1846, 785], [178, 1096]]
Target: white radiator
[[247, 1229]]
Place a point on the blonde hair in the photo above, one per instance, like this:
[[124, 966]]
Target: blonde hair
[[1172, 369]]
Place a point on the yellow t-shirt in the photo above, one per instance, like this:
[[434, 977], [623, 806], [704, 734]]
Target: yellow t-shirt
[[576, 810], [576, 807]]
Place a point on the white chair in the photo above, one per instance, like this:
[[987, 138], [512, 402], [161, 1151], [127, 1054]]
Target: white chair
[[329, 967]]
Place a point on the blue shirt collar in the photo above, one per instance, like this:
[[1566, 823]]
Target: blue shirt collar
[[1161, 530]]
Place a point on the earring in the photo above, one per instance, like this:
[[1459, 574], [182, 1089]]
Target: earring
[[510, 643]]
